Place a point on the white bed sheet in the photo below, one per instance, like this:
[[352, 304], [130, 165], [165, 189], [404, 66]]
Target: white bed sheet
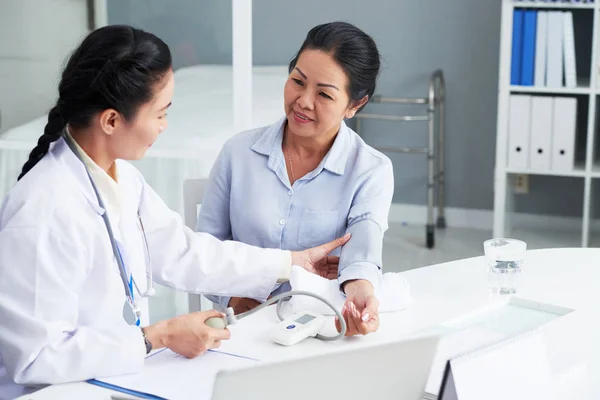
[[200, 121]]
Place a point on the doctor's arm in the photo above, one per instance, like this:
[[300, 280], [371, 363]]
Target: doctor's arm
[[42, 340], [361, 258], [45, 337], [200, 263]]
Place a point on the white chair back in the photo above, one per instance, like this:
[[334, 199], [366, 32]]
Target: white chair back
[[193, 193]]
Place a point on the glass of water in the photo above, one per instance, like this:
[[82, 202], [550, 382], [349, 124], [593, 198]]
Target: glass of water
[[505, 259]]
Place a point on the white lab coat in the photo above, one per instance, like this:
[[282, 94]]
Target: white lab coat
[[61, 295]]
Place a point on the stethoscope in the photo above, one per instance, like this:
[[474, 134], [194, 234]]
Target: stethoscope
[[131, 310]]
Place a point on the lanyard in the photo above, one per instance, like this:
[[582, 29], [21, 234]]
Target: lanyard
[[131, 312]]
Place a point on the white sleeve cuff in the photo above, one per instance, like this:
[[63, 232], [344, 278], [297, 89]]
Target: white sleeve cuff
[[363, 270]]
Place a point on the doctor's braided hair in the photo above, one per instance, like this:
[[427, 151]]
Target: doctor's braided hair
[[115, 67], [354, 50]]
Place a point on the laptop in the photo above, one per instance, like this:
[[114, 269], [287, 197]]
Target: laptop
[[397, 370]]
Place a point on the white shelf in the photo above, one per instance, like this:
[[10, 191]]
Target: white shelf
[[527, 4], [578, 172], [596, 170], [505, 203], [549, 90]]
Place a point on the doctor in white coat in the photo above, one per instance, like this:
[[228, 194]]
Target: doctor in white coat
[[82, 235]]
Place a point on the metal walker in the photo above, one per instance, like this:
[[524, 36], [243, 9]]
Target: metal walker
[[435, 103]]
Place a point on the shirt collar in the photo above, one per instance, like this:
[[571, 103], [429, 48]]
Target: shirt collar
[[336, 158], [107, 186], [269, 144]]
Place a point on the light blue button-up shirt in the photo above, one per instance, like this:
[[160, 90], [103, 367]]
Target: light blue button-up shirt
[[249, 199]]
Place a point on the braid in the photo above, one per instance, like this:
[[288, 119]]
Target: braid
[[52, 132]]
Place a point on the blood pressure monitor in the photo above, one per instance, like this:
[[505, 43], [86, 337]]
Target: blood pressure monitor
[[297, 328]]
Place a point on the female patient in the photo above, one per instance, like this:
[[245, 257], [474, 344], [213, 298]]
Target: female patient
[[308, 178]]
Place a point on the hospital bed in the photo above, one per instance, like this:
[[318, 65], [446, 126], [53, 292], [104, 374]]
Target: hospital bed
[[200, 121]]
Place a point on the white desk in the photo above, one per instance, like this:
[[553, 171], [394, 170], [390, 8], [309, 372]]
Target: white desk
[[564, 277]]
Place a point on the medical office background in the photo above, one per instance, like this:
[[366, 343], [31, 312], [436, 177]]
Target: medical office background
[[415, 37]]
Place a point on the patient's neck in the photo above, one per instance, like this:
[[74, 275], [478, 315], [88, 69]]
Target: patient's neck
[[309, 147]]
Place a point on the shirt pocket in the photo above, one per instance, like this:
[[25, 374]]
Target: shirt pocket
[[317, 227]]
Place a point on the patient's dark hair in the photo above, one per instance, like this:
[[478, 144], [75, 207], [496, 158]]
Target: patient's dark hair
[[354, 50], [115, 67]]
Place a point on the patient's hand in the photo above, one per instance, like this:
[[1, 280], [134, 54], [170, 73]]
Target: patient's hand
[[361, 308], [242, 304], [317, 260]]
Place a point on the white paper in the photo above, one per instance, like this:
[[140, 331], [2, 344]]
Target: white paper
[[167, 374]]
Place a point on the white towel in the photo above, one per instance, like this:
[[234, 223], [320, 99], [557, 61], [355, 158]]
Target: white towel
[[393, 293]]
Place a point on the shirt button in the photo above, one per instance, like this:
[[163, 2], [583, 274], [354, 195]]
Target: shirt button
[[282, 222], [291, 192]]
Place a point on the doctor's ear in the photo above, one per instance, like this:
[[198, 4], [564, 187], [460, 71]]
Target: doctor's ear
[[110, 119]]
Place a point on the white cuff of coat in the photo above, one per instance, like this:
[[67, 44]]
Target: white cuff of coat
[[136, 348], [286, 269]]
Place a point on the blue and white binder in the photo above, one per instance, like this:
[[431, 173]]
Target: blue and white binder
[[569, 51], [540, 142], [529, 39], [517, 47], [519, 124], [564, 129], [554, 73], [541, 49]]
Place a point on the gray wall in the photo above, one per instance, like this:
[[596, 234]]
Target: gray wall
[[35, 38], [197, 31], [415, 37]]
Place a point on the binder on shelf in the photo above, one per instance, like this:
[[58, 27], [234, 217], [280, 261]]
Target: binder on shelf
[[541, 49], [541, 133], [518, 131], [554, 60], [596, 64], [569, 50], [529, 39], [564, 128], [517, 46]]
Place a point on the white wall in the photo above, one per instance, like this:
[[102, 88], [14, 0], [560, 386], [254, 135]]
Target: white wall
[[36, 36]]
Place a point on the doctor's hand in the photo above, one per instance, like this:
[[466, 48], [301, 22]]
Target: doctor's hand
[[187, 334], [317, 260], [360, 310]]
